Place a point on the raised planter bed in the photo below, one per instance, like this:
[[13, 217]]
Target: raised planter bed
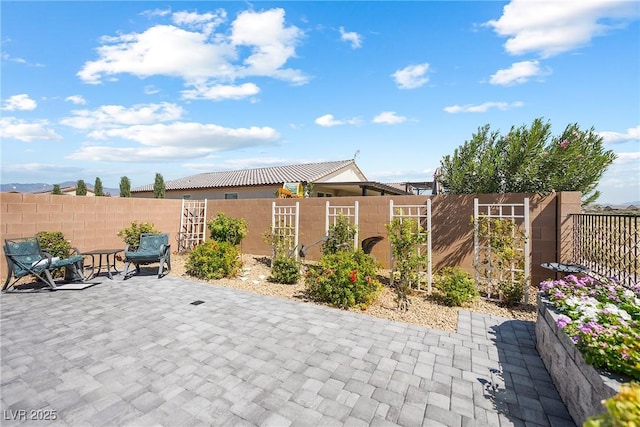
[[581, 386]]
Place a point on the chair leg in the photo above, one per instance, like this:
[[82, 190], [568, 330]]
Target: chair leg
[[49, 280], [126, 270], [6, 282]]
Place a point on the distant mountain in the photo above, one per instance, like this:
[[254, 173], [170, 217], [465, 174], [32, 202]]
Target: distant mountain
[[42, 187], [621, 205]]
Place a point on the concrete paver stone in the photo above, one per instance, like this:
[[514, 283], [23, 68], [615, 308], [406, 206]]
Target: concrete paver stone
[[138, 353]]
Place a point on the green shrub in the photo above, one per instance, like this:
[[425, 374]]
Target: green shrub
[[285, 270], [214, 260], [131, 234], [341, 235], [55, 244], [623, 409], [344, 279], [226, 229], [511, 292], [454, 287], [406, 236], [281, 240]]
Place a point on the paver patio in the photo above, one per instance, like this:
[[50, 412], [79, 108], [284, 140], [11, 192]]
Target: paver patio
[[140, 353]]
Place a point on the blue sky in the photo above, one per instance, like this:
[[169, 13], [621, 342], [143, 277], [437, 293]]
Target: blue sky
[[112, 89]]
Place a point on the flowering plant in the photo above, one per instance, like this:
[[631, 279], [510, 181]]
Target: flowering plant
[[602, 319]]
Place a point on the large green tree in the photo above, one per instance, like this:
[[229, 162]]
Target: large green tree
[[158, 187], [56, 189], [528, 160], [125, 187], [81, 188], [97, 187]]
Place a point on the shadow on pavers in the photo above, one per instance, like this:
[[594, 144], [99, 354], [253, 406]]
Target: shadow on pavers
[[520, 388]]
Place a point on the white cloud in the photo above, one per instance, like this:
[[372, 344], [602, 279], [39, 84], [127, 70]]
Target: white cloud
[[389, 117], [136, 154], [20, 102], [482, 108], [625, 158], [614, 137], [8, 57], [43, 169], [116, 115], [553, 27], [412, 77], [206, 22], [352, 37], [621, 181], [221, 92], [329, 121], [178, 134], [179, 140], [258, 44], [151, 90], [272, 43], [76, 99], [11, 127], [520, 72], [156, 12]]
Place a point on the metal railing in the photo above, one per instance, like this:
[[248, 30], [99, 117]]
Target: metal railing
[[609, 245]]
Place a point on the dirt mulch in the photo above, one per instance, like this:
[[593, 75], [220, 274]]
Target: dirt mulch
[[422, 311]]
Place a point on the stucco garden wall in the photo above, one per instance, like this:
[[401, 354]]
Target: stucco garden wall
[[93, 222]]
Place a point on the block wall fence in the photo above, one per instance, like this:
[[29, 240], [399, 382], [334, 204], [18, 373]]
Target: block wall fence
[[93, 222]]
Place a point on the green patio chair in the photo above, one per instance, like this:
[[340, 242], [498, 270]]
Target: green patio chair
[[152, 248], [25, 257]]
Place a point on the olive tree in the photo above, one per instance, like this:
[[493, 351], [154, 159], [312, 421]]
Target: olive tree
[[527, 160]]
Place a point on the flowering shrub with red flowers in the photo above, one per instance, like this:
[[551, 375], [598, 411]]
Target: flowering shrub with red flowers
[[602, 319], [344, 279]]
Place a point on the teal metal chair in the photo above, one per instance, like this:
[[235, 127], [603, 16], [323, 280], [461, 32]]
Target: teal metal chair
[[25, 257], [152, 248]]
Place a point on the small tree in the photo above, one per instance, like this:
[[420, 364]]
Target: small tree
[[56, 190], [97, 187], [159, 187], [81, 188], [528, 160], [125, 187]]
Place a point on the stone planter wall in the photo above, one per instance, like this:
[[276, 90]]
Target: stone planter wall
[[581, 386]]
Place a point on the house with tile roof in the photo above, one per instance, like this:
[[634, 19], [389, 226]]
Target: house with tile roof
[[322, 179]]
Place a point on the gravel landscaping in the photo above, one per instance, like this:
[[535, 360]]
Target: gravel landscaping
[[422, 311]]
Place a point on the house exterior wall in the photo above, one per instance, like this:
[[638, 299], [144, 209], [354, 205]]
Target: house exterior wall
[[254, 192], [348, 175], [93, 222]]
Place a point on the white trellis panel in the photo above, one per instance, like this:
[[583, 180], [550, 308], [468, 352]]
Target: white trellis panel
[[285, 222], [422, 215], [350, 212], [193, 224], [518, 213]]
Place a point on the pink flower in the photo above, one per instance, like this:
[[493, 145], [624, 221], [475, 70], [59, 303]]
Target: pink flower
[[564, 143], [563, 321]]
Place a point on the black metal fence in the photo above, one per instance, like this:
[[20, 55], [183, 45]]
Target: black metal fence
[[609, 245]]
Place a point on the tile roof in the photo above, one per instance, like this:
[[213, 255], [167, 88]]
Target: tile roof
[[308, 172]]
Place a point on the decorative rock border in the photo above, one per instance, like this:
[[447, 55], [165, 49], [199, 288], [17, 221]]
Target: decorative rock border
[[581, 386]]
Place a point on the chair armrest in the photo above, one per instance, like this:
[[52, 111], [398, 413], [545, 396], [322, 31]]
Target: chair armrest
[[45, 265], [165, 248]]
